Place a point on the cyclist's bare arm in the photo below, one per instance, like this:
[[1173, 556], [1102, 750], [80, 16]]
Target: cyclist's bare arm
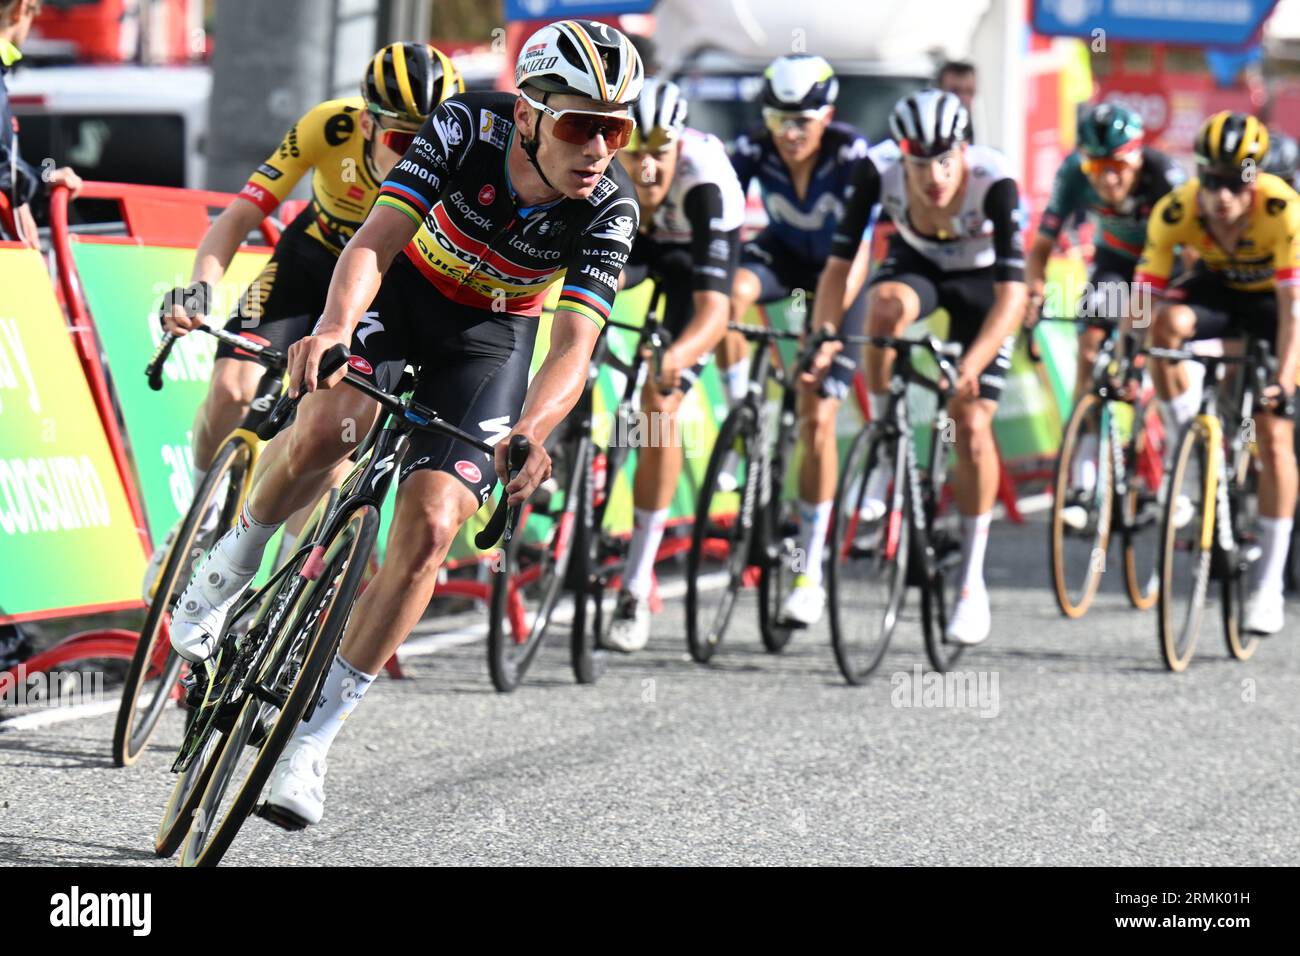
[[353, 286], [554, 391], [1288, 342], [214, 254], [707, 325]]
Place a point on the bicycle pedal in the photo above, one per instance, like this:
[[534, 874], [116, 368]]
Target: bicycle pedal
[[285, 819]]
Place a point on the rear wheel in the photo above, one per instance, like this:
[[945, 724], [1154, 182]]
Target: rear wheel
[[285, 679], [1185, 552], [722, 535], [155, 669], [1082, 500], [867, 574]]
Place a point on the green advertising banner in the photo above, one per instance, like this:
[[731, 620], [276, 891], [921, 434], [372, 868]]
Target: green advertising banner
[[123, 285], [69, 541]]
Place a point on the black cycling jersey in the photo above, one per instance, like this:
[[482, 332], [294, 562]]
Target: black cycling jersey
[[479, 247]]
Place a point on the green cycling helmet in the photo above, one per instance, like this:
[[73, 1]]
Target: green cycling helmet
[[1107, 129]]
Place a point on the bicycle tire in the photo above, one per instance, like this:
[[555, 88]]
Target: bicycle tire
[[516, 632], [889, 562], [587, 659], [1178, 643], [736, 433], [132, 729], [936, 591], [1075, 594], [322, 613], [1141, 576], [1241, 643]]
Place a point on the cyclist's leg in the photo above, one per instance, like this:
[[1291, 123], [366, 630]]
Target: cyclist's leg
[[474, 373], [968, 298], [1106, 296], [296, 466], [1196, 306], [904, 289], [818, 470], [1275, 435], [757, 280]]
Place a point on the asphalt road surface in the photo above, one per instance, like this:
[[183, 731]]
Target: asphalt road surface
[[1081, 750]]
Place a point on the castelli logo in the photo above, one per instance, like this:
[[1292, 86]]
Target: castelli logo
[[486, 195], [469, 471], [360, 364]]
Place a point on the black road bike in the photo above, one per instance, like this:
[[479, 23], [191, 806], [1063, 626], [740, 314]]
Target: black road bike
[[270, 663], [561, 547], [915, 543]]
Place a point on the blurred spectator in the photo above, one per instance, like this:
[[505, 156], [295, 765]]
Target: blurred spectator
[[19, 180], [958, 76]]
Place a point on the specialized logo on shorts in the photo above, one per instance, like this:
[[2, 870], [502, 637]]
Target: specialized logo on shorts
[[493, 129], [469, 471], [487, 195], [361, 365]]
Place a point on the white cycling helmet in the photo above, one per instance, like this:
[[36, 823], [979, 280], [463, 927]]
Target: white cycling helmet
[[799, 83], [929, 122], [660, 114], [584, 58]]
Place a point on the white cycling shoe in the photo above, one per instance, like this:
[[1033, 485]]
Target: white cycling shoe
[[200, 613], [805, 604], [297, 795], [1264, 612], [159, 557], [971, 619], [1183, 510], [729, 473], [630, 628]]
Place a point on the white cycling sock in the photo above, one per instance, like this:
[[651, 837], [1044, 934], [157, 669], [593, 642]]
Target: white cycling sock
[[814, 519], [1274, 539], [877, 404], [647, 532], [737, 380], [343, 690], [242, 546], [1084, 477], [974, 537]]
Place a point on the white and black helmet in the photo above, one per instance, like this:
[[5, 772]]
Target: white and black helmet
[[584, 58], [929, 122], [660, 114], [798, 83]]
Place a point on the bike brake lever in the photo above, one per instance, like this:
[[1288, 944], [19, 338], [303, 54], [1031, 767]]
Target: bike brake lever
[[501, 526], [333, 360]]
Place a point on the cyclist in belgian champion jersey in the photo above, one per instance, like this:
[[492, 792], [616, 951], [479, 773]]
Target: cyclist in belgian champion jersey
[[692, 208], [349, 146], [1245, 224], [959, 247], [1117, 180], [498, 195], [803, 160]]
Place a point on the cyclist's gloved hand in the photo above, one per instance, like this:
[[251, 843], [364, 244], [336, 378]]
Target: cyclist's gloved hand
[[536, 470], [1279, 400], [821, 362], [304, 362], [185, 308]]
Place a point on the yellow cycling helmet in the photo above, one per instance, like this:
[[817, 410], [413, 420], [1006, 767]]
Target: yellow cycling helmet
[[407, 81], [1231, 141]]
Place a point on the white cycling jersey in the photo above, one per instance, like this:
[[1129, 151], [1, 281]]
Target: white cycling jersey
[[701, 160]]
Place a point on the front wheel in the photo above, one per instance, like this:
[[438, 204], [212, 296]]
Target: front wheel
[[284, 680], [1145, 457], [867, 580], [1082, 501], [723, 533], [1186, 549]]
